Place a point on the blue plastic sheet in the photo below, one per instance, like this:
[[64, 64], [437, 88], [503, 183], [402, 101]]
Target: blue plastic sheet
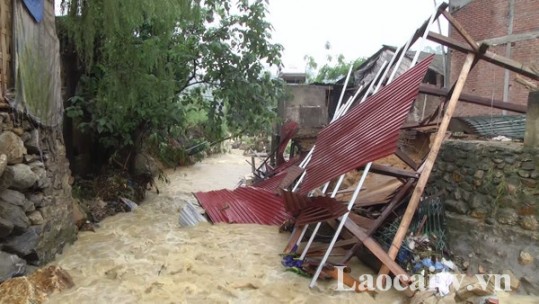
[[35, 8]]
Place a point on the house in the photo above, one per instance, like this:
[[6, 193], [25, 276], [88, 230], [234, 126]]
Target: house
[[511, 28]]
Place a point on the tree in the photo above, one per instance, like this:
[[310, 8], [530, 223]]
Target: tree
[[148, 64], [330, 71]]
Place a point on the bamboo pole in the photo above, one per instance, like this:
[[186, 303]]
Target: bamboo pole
[[429, 162]]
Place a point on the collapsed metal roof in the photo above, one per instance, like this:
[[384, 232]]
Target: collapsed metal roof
[[246, 205], [512, 126], [368, 132]]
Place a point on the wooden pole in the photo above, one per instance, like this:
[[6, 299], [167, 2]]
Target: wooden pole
[[429, 162]]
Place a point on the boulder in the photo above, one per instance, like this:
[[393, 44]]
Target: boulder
[[507, 216], [79, 215], [144, 164], [525, 258], [42, 180], [32, 143], [15, 215], [35, 288], [12, 146], [23, 176], [37, 198], [6, 227], [36, 218], [11, 266], [17, 198], [5, 179], [25, 244], [3, 163], [529, 222]]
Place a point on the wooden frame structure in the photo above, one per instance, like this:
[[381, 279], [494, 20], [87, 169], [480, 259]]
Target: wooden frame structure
[[355, 234]]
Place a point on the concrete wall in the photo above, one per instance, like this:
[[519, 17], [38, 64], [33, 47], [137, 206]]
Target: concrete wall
[[515, 25], [308, 106], [491, 195]]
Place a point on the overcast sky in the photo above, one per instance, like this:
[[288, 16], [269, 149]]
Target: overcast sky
[[354, 28]]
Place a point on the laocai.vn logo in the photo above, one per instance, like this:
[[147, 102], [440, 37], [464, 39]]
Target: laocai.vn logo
[[440, 282]]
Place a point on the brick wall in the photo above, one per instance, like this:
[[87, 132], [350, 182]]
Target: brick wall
[[485, 19]]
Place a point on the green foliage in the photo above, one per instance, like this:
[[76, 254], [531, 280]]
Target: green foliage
[[332, 69], [158, 68]]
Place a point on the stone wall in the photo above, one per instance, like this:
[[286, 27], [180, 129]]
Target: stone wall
[[491, 195], [35, 196]]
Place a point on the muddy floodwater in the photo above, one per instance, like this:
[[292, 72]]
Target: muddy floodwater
[[146, 257]]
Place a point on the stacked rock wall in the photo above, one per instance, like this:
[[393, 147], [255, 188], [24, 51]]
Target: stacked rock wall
[[35, 195], [491, 195]]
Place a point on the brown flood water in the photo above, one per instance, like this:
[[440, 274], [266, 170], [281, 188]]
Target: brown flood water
[[146, 257]]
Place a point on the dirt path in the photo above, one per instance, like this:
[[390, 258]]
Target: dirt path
[[145, 257]]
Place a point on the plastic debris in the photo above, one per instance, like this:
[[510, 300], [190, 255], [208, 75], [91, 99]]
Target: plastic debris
[[441, 282], [130, 204]]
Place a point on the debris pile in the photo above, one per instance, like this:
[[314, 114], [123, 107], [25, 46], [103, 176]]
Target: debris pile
[[383, 212]]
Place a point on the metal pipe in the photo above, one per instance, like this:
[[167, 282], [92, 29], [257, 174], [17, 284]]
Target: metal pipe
[[423, 39], [341, 225], [344, 88]]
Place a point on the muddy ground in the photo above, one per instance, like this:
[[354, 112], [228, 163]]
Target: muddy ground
[[146, 257]]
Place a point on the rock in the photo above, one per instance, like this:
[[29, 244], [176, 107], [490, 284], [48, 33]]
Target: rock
[[3, 163], [470, 288], [15, 215], [23, 176], [32, 144], [144, 164], [36, 198], [528, 166], [6, 227], [497, 160], [479, 174], [35, 288], [29, 158], [529, 222], [509, 160], [528, 182], [10, 266], [456, 206], [6, 179], [525, 258], [514, 282], [13, 147], [17, 198], [523, 173], [479, 201], [36, 218], [79, 215], [25, 244], [507, 216], [42, 180]]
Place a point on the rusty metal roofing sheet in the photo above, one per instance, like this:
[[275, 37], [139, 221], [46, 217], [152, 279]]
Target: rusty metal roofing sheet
[[368, 132], [246, 205]]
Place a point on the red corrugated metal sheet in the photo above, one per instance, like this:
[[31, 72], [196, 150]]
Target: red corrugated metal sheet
[[368, 132], [280, 180], [246, 205], [308, 210], [288, 130]]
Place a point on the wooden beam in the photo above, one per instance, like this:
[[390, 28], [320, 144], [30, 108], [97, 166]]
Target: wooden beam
[[390, 171], [489, 56], [482, 101], [429, 162], [406, 159], [377, 250], [460, 29]]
